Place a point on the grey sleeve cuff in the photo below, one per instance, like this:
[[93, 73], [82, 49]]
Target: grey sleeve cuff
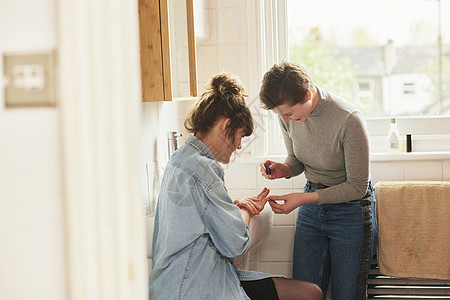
[[296, 166]]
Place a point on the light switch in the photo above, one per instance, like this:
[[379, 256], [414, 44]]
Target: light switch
[[30, 79]]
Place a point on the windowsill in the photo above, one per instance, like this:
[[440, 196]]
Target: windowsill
[[404, 156], [438, 155], [181, 99]]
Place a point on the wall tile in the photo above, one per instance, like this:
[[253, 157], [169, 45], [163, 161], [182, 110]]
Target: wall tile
[[299, 182], [213, 25], [277, 268], [149, 111], [182, 89], [181, 65], [179, 25], [171, 110], [382, 171], [234, 59], [145, 154], [149, 141], [279, 245], [149, 125], [233, 25], [281, 219], [155, 172], [240, 176], [211, 3], [280, 191], [230, 3], [201, 20], [446, 170], [144, 183], [207, 63], [241, 193], [423, 170], [187, 106], [280, 183], [284, 220], [295, 215], [201, 87]]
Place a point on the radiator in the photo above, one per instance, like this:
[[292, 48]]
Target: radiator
[[385, 287]]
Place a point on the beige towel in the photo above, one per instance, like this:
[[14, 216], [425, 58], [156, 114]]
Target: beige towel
[[414, 228]]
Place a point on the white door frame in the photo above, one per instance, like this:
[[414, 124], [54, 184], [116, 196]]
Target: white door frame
[[100, 128]]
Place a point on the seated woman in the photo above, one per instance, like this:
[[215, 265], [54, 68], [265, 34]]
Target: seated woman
[[198, 229]]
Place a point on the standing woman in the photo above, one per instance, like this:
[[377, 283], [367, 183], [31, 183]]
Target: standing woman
[[198, 228], [327, 139]]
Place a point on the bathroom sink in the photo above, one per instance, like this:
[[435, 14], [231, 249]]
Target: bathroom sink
[[261, 226]]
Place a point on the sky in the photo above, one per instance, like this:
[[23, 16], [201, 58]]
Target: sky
[[383, 19]]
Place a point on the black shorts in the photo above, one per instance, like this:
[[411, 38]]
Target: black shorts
[[262, 289]]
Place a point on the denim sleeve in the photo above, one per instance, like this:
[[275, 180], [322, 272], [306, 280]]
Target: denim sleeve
[[224, 223]]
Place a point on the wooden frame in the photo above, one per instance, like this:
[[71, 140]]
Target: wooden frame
[[154, 35]]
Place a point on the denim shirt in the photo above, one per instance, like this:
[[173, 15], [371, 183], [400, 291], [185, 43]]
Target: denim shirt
[[197, 232]]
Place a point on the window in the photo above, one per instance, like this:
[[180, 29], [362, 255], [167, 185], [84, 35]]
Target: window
[[365, 93], [389, 57], [366, 51]]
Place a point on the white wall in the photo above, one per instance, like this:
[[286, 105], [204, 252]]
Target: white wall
[[224, 49], [32, 251]]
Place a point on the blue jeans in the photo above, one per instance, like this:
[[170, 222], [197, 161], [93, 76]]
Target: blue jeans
[[337, 241]]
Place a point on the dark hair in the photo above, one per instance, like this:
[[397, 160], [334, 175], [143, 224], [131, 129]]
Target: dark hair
[[284, 83], [224, 98]]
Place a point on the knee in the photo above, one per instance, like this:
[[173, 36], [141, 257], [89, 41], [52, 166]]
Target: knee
[[311, 292], [314, 292]]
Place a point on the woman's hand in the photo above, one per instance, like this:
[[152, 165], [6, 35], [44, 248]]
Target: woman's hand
[[273, 170], [291, 201], [255, 204]]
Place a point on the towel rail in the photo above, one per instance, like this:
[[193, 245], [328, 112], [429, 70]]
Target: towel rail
[[390, 288]]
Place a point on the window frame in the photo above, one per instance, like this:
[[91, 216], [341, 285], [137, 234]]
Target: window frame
[[270, 32]]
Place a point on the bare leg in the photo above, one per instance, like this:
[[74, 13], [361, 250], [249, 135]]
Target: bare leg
[[291, 289]]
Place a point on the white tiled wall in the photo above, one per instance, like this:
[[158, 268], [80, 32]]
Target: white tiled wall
[[275, 254], [226, 50]]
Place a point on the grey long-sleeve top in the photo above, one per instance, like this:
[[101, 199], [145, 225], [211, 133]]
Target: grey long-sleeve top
[[331, 147]]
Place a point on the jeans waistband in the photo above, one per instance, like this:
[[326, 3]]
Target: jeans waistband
[[317, 186]]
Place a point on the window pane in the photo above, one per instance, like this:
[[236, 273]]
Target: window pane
[[385, 55]]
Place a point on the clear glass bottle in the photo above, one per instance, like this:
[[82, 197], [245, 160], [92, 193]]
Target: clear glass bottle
[[393, 138]]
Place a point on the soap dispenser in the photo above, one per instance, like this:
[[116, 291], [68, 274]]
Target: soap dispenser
[[393, 138]]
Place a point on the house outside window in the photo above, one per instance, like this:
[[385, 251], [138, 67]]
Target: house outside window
[[365, 93], [341, 46]]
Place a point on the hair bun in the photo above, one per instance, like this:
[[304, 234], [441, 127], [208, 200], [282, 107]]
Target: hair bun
[[226, 83]]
